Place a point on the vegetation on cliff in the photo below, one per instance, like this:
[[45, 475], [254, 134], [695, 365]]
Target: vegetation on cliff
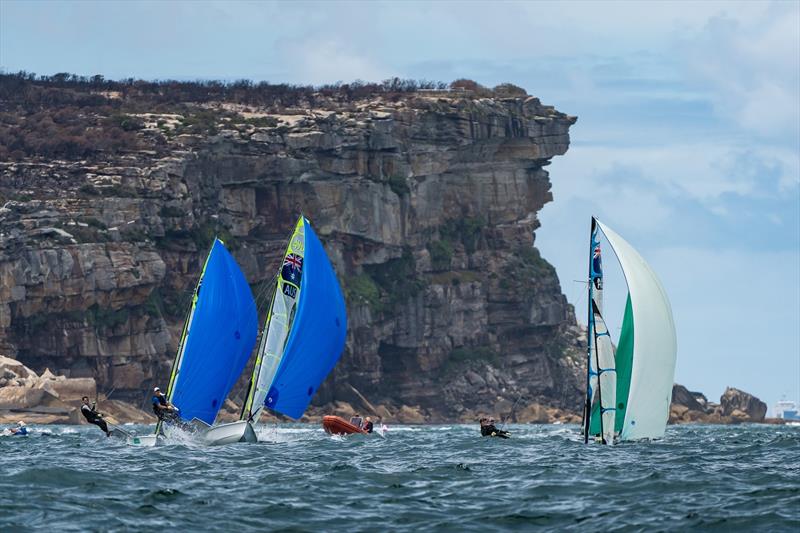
[[77, 117]]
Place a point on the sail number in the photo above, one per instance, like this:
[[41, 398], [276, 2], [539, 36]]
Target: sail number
[[289, 290]]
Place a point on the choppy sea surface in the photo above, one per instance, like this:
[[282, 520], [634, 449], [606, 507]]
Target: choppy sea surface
[[446, 478]]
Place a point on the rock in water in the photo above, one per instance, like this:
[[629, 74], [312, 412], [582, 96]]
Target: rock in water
[[684, 397], [734, 399]]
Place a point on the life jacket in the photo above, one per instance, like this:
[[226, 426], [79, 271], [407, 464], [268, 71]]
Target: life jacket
[[159, 401], [88, 413]]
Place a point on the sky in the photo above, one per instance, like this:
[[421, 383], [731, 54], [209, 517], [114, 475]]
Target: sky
[[687, 143]]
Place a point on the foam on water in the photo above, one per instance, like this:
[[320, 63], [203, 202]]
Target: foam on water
[[419, 477]]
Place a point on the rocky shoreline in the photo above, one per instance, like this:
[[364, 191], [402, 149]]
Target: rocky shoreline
[[53, 399], [735, 407]]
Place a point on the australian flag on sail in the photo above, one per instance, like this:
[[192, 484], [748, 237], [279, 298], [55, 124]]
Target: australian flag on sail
[[597, 263], [292, 270]]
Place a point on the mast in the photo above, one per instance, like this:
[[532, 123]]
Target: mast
[[176, 363], [587, 407], [594, 366]]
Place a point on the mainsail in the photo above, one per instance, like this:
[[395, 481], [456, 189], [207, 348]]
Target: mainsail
[[305, 330], [218, 336], [600, 410], [279, 321]]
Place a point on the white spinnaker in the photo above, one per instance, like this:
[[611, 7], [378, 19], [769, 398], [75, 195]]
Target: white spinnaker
[[607, 379], [654, 345]]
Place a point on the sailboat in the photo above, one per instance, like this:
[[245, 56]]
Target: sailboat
[[303, 336], [628, 392], [218, 336]]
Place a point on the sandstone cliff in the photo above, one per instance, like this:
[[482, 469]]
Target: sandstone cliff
[[426, 202]]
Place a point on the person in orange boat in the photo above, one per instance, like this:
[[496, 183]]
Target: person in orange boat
[[367, 425]]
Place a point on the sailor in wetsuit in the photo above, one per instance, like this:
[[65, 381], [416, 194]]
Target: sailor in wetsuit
[[488, 429], [162, 408], [367, 425], [20, 430], [91, 415]]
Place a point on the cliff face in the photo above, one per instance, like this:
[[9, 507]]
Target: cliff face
[[426, 204]]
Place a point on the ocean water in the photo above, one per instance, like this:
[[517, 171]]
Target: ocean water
[[444, 478]]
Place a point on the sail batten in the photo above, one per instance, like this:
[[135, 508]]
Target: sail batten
[[604, 411]]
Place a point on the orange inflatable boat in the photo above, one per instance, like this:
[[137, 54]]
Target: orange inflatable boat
[[339, 426]]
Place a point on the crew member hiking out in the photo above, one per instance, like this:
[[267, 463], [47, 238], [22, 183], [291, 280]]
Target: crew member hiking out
[[165, 411], [488, 429], [91, 415], [20, 430]]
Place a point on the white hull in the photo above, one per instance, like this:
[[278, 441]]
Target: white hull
[[146, 441], [240, 431]]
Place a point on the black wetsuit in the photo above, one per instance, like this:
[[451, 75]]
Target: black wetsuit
[[368, 427], [490, 430], [93, 417]]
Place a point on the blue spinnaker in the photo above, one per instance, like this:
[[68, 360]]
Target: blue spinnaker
[[219, 340], [317, 336]]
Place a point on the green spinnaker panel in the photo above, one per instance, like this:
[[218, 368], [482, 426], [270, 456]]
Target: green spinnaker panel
[[624, 364], [594, 422]]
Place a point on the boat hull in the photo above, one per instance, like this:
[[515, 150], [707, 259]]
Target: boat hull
[[145, 441], [239, 431], [339, 426]]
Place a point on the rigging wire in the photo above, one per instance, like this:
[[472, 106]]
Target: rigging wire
[[505, 419]]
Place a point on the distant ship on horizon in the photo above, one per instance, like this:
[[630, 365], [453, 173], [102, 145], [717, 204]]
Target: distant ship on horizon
[[787, 410]]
